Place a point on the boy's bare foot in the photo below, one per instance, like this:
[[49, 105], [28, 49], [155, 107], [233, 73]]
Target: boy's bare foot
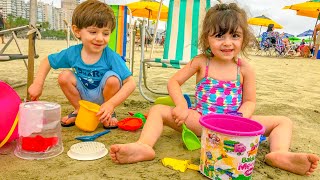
[[112, 123], [131, 153], [298, 163], [70, 119]]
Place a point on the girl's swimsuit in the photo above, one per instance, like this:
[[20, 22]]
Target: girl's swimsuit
[[215, 96]]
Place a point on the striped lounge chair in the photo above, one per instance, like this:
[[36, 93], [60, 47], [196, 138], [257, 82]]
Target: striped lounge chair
[[181, 40]]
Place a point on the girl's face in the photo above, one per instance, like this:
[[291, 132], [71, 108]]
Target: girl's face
[[94, 39], [226, 46]]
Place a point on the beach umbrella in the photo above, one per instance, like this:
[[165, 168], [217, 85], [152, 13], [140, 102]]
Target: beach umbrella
[[312, 14], [117, 2], [148, 9], [306, 33], [263, 21], [308, 9], [293, 38], [287, 35]]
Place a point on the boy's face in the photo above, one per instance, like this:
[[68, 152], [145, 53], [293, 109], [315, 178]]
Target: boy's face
[[94, 39]]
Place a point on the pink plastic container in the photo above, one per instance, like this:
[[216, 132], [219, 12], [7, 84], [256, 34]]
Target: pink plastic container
[[9, 107], [229, 145]]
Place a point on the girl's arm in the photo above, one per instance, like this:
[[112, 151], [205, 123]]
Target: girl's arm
[[175, 82], [249, 90]]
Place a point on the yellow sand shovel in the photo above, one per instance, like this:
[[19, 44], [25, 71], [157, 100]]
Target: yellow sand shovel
[[179, 165]]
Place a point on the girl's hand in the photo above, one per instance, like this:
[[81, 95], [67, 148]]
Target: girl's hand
[[35, 91], [105, 112], [180, 114]]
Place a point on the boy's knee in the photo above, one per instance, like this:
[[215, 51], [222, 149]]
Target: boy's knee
[[64, 77], [113, 81]]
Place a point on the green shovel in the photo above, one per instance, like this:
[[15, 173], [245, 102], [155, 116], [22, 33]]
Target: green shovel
[[190, 139]]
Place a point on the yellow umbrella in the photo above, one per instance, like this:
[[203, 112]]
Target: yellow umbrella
[[263, 21], [148, 10], [308, 9], [313, 5], [312, 14]]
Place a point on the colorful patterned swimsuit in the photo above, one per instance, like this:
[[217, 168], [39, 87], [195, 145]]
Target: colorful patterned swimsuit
[[221, 97]]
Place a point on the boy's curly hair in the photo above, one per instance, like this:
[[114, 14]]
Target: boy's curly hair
[[93, 13], [224, 18]]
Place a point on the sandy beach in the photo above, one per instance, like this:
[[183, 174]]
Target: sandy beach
[[285, 86]]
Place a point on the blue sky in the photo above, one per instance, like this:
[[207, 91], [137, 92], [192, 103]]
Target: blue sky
[[291, 22]]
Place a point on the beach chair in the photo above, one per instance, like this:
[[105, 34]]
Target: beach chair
[[32, 33], [181, 40]]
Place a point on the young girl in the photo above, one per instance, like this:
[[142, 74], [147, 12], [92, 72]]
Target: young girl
[[225, 84]]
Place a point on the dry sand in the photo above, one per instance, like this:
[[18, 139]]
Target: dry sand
[[288, 87]]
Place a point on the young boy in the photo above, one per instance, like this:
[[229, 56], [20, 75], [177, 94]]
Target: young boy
[[98, 74]]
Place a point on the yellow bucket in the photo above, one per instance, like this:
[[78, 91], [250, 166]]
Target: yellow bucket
[[86, 119]]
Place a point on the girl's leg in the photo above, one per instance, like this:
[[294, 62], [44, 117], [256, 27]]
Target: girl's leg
[[279, 131], [142, 150], [111, 87], [68, 83]]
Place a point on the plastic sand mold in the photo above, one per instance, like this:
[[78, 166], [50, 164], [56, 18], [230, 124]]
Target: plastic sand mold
[[179, 165], [130, 123], [38, 143], [87, 151]]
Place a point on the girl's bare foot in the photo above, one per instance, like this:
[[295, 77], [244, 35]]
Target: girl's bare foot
[[298, 163], [131, 153]]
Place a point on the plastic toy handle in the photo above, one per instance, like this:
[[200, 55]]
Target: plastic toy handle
[[193, 167], [101, 133]]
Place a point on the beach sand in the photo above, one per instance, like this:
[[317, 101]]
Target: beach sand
[[285, 86]]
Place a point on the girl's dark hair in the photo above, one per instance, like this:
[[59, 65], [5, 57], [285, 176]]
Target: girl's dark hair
[[93, 13], [221, 19], [270, 26]]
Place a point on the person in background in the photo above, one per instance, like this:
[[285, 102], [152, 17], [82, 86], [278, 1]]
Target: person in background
[[272, 38], [316, 40], [2, 25]]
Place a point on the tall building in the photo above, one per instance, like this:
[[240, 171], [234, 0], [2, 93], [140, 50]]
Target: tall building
[[6, 7], [68, 6]]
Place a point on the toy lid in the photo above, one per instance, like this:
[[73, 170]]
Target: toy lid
[[87, 151]]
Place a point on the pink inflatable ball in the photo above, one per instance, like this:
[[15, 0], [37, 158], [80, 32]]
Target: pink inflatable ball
[[9, 108]]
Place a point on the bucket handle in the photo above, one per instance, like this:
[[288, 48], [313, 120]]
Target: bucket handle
[[10, 132]]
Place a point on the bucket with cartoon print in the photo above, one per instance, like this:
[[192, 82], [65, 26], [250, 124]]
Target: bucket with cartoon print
[[229, 145]]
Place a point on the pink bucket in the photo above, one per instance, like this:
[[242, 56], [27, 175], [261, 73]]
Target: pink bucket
[[229, 145], [9, 107]]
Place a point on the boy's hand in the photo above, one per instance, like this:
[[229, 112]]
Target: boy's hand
[[35, 91], [105, 112], [180, 115]]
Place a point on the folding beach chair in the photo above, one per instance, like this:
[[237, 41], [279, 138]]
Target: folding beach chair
[[181, 39], [32, 33]]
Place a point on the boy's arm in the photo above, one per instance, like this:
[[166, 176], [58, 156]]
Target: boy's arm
[[35, 90], [127, 88], [249, 90]]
